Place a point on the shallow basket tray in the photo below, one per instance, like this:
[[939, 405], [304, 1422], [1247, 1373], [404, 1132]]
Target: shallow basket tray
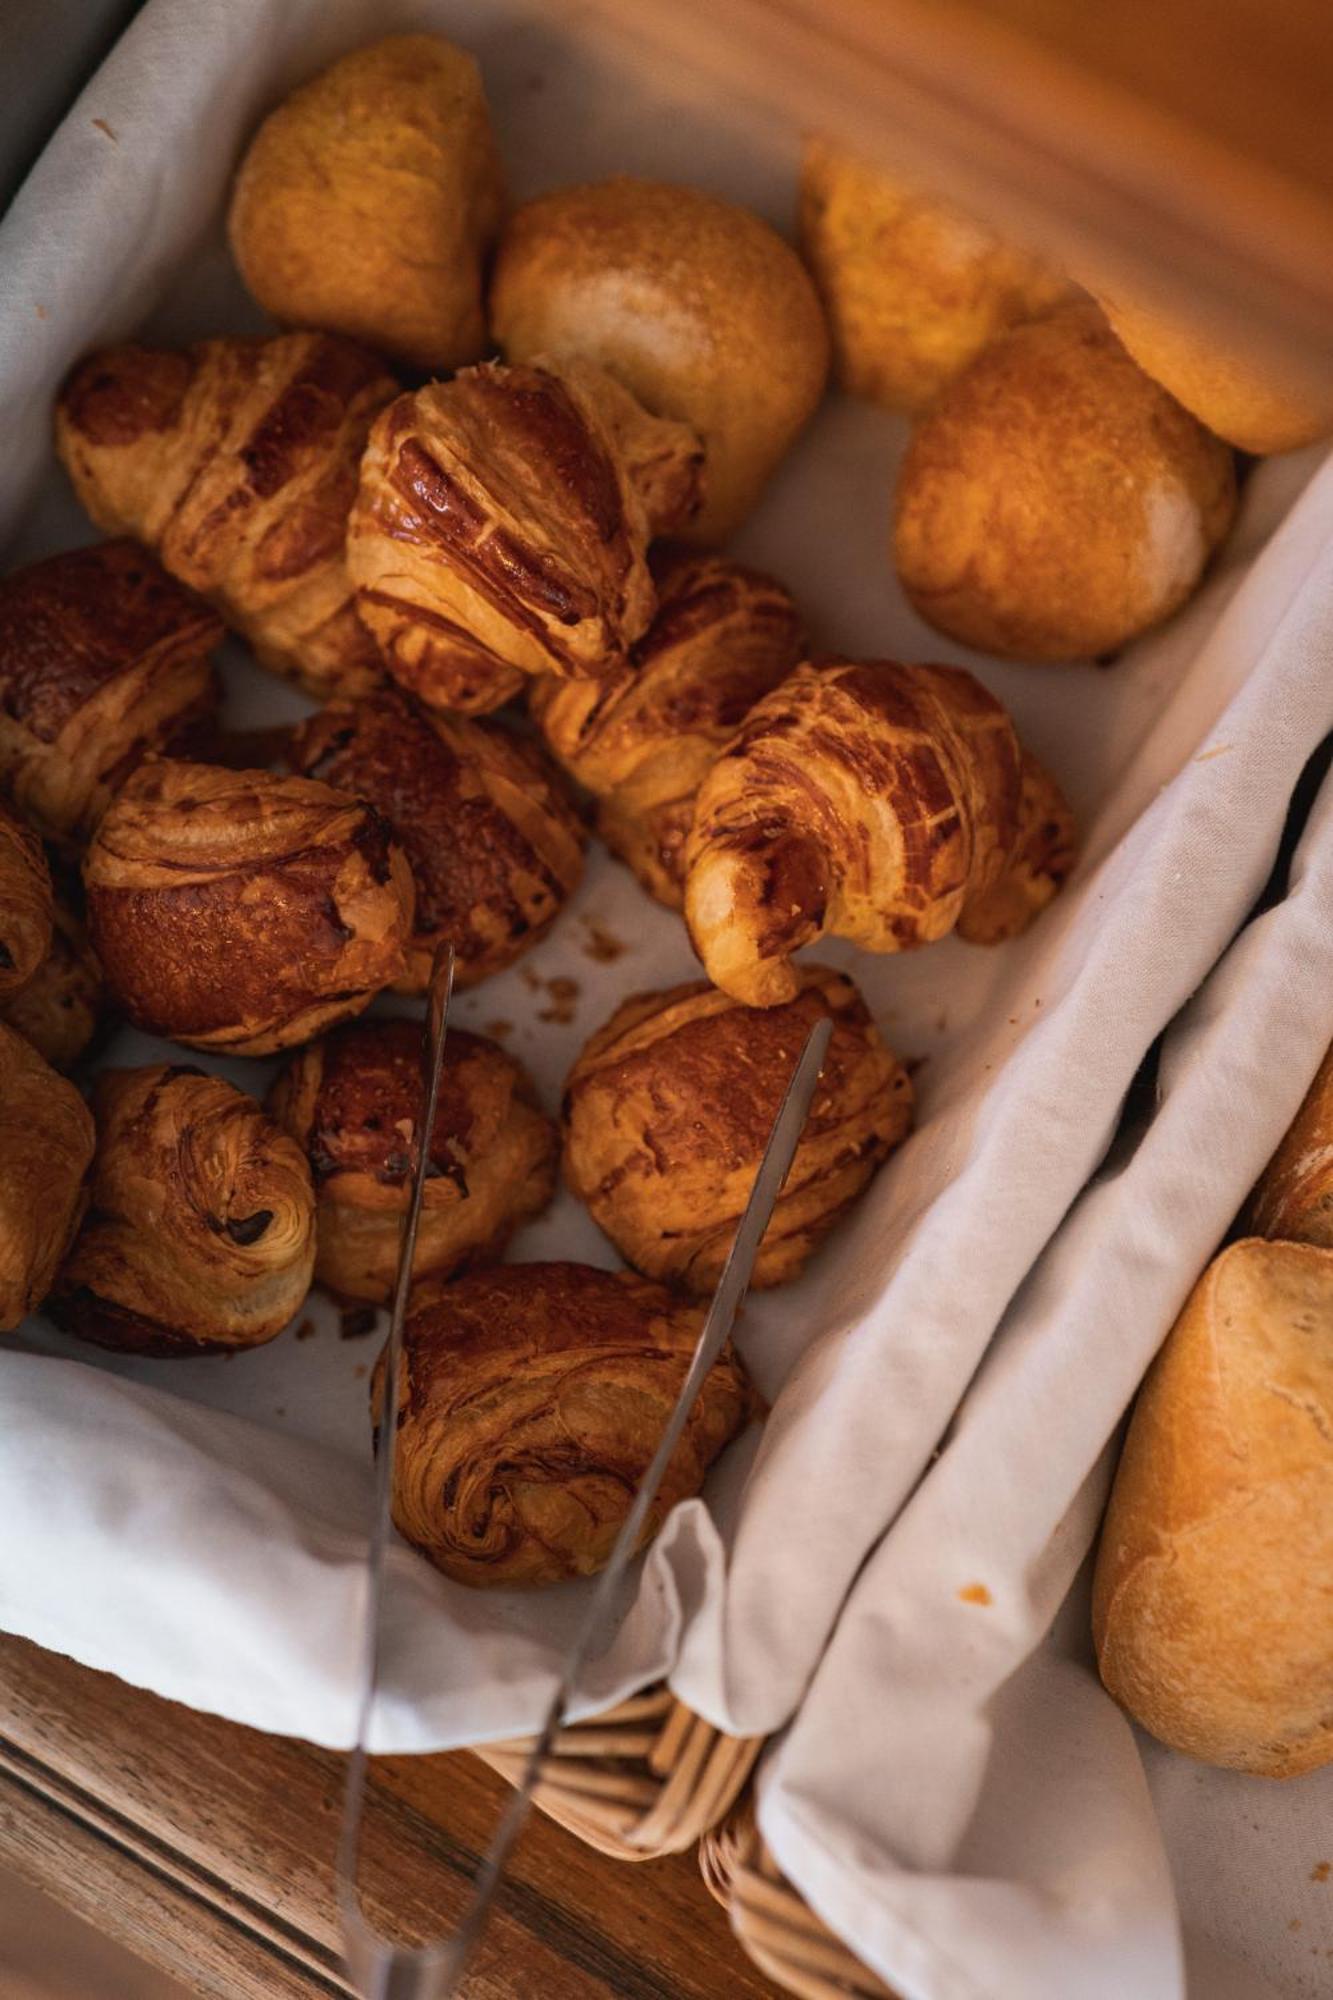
[[649, 1777], [775, 1925]]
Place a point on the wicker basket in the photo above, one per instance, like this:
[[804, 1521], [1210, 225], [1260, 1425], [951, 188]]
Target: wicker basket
[[777, 1928], [647, 1778]]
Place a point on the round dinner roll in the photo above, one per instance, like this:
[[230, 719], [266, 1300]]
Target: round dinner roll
[[368, 199], [694, 304], [1055, 502], [1253, 405], [1212, 1606], [913, 287]]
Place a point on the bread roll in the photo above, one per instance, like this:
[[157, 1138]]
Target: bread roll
[[693, 303], [27, 911], [913, 288], [46, 1144], [494, 845], [103, 659], [1250, 403], [668, 1109], [1055, 502], [352, 1102], [1294, 1197], [367, 200], [234, 910], [1213, 1596], [531, 1400], [201, 1231]]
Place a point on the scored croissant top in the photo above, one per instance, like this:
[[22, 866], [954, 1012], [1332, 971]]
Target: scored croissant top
[[510, 509], [236, 461]]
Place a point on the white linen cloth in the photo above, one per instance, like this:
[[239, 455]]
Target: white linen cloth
[[958, 1797], [197, 1527]]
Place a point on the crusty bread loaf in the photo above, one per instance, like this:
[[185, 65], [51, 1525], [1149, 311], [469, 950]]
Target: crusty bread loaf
[[1294, 1196], [1213, 1597]]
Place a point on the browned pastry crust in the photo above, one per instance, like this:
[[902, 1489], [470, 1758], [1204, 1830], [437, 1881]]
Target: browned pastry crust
[[1212, 1606], [1040, 862], [1294, 1196], [26, 904], [236, 462], [60, 1009], [353, 1102], [103, 659], [367, 200], [863, 800], [642, 738], [506, 515], [200, 1233], [240, 911], [495, 847], [46, 1143], [531, 1401], [669, 1107]]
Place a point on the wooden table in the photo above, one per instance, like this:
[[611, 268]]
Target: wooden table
[[208, 1850]]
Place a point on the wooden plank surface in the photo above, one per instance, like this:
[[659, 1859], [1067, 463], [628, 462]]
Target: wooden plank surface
[[208, 1849]]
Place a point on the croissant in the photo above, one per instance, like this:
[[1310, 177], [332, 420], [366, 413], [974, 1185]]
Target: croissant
[[103, 658], [60, 1009], [531, 1400], [505, 515], [240, 911], [201, 1230], [352, 1102], [236, 462], [494, 845], [46, 1144], [861, 800], [668, 1109], [1294, 1197], [643, 737], [26, 904], [1040, 861]]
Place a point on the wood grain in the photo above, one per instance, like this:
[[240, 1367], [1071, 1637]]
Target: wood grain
[[208, 1849]]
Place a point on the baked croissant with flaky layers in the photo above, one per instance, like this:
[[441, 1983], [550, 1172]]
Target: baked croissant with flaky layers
[[26, 904], [236, 462], [59, 1010], [669, 1107], [103, 659], [502, 525], [200, 1233], [863, 800], [238, 911], [353, 1102], [46, 1143], [531, 1400], [642, 738], [494, 845]]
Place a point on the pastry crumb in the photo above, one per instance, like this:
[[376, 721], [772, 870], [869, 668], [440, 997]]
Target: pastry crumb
[[306, 1330], [601, 944], [975, 1593], [360, 1371], [499, 1031], [563, 994], [1320, 1871], [102, 126], [357, 1321]]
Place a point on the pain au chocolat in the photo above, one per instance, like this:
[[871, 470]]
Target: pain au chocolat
[[46, 1144], [27, 909]]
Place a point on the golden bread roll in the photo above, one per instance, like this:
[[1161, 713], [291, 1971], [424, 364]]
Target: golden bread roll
[[494, 845], [642, 738], [27, 904], [59, 1010], [353, 1101], [531, 1401], [103, 660], [367, 200], [1055, 502], [1249, 402], [502, 525], [1294, 1197], [693, 303], [238, 911], [669, 1107], [200, 1232], [1213, 1594], [236, 462], [913, 288], [863, 800], [46, 1144]]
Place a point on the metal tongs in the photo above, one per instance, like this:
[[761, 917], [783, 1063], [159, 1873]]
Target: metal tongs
[[382, 1969]]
